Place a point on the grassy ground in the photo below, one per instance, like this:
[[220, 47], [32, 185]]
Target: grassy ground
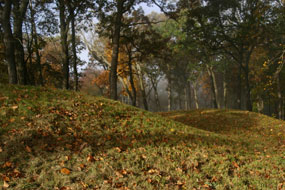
[[54, 139]]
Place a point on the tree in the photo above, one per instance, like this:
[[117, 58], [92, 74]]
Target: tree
[[111, 21], [233, 27], [19, 13], [9, 41]]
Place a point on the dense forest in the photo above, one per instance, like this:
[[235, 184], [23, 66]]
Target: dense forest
[[192, 54]]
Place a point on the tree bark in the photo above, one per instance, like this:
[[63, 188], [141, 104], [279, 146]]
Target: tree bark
[[195, 95], [35, 37], [156, 97], [9, 42], [225, 90], [213, 86], [185, 98], [19, 11], [115, 50], [248, 89], [169, 93], [73, 41], [279, 95], [142, 86], [30, 55], [239, 87], [187, 92], [64, 44], [134, 96]]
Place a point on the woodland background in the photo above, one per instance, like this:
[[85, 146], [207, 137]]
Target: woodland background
[[193, 54]]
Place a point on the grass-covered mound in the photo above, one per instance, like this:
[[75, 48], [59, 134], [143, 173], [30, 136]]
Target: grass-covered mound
[[55, 139]]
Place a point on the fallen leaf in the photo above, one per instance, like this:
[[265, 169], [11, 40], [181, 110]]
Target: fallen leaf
[[118, 174], [5, 178], [153, 171], [180, 183], [65, 171], [7, 165], [90, 158], [124, 172], [235, 165], [16, 173], [64, 188], [28, 149], [5, 185], [118, 149], [4, 98], [14, 107], [83, 184]]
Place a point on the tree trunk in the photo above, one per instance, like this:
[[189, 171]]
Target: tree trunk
[[213, 86], [115, 50], [195, 95], [225, 91], [239, 87], [248, 98], [30, 54], [280, 99], [64, 44], [9, 42], [35, 37], [142, 86], [187, 95], [134, 96], [185, 98], [19, 11], [246, 71], [73, 41], [156, 97], [179, 102], [169, 93]]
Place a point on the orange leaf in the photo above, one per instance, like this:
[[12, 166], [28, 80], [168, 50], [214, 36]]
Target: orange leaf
[[28, 149], [5, 178], [235, 165], [65, 171], [7, 164]]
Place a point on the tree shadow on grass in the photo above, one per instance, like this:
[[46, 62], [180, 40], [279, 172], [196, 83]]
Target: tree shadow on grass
[[23, 148], [217, 121]]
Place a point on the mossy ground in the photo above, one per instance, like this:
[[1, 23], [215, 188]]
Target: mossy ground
[[56, 139]]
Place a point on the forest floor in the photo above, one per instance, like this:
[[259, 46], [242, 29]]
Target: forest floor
[[56, 139]]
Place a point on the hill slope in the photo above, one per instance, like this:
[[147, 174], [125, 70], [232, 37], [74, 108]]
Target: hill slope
[[55, 139]]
